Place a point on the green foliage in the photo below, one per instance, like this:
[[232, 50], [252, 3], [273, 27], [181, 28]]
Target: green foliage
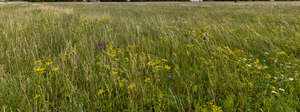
[[208, 57]]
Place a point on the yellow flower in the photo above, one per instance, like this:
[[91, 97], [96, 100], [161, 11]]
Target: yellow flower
[[114, 73], [150, 63], [55, 69], [132, 86], [216, 108], [167, 67], [273, 88], [256, 61], [250, 84], [39, 69], [147, 80], [268, 76], [100, 92], [37, 61], [157, 67], [49, 63], [164, 60], [245, 59], [264, 67], [121, 84], [36, 96], [281, 53], [195, 88]]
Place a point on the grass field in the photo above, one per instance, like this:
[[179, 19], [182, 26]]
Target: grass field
[[205, 57]]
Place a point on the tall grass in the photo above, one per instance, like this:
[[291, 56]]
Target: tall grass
[[150, 57]]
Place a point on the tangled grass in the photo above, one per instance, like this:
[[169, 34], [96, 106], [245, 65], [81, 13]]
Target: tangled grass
[[150, 56]]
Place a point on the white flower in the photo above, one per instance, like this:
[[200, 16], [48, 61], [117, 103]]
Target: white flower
[[291, 79], [274, 92], [275, 78], [259, 68], [288, 66], [249, 65], [280, 89], [266, 53], [282, 76], [275, 60]]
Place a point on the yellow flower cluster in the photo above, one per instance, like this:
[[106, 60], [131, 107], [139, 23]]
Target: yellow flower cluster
[[159, 64], [44, 67]]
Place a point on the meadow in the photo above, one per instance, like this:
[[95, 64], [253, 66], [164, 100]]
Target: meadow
[[168, 56]]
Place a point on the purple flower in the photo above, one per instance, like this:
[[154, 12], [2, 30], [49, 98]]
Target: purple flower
[[170, 76], [101, 45], [205, 37]]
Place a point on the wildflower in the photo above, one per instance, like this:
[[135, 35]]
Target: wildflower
[[195, 88], [282, 76], [55, 69], [249, 65], [268, 76], [37, 61], [205, 37], [245, 59], [256, 61], [164, 60], [266, 53], [259, 67], [121, 84], [36, 96], [281, 53], [275, 61], [100, 92], [131, 86], [273, 88], [167, 67], [147, 80], [216, 108], [157, 67], [264, 67], [150, 63], [274, 92], [280, 89], [114, 73], [291, 79], [170, 76], [250, 84], [49, 63], [39, 69]]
